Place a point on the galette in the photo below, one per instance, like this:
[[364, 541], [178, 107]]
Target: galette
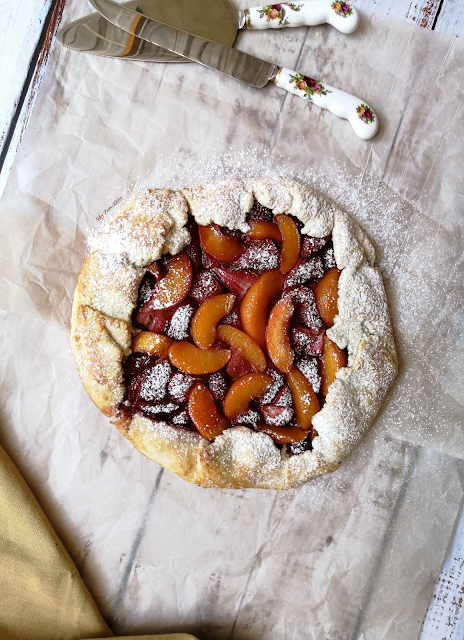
[[237, 333]]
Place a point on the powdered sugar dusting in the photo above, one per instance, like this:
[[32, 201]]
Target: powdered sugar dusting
[[155, 382], [180, 321]]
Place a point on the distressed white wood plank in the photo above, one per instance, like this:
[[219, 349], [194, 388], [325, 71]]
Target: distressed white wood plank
[[422, 12], [451, 18], [21, 25], [26, 48], [445, 616]]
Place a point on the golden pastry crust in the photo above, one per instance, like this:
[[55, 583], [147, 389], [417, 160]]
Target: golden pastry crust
[[152, 223]]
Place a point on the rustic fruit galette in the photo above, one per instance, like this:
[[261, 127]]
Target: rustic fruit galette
[[237, 332]]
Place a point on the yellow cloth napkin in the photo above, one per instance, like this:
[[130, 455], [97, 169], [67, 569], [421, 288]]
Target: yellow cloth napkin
[[42, 595]]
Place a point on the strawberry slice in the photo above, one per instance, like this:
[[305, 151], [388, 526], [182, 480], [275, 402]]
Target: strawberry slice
[[276, 416], [193, 250], [146, 288], [284, 397], [328, 258], [155, 320], [159, 411], [181, 418], [300, 447], [277, 383], [237, 282], [205, 285], [260, 255], [179, 324], [280, 412], [305, 306], [238, 365], [248, 418], [312, 245], [260, 213], [218, 385], [304, 271], [151, 385], [180, 385], [306, 341], [136, 363], [310, 369]]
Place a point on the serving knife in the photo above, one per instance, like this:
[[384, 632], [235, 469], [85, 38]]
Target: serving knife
[[216, 20], [243, 66]]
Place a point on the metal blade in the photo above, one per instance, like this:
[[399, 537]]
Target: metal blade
[[93, 34], [213, 19], [231, 62]]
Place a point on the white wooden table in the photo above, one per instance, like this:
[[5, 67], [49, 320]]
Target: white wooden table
[[27, 36]]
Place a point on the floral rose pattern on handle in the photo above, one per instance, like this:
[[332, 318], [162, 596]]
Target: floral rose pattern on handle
[[277, 12], [342, 9], [365, 113], [273, 12], [309, 86]]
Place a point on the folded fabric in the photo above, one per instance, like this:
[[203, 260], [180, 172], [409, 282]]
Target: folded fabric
[[42, 593]]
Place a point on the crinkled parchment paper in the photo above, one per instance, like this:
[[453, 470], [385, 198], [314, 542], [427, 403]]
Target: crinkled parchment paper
[[349, 556]]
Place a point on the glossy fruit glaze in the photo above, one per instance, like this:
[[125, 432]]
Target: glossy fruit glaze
[[231, 332]]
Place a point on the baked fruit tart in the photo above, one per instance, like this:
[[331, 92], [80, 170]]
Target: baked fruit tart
[[237, 333]]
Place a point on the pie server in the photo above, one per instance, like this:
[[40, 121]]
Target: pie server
[[242, 66], [216, 20]]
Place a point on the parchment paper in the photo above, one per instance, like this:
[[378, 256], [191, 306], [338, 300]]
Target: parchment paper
[[352, 555]]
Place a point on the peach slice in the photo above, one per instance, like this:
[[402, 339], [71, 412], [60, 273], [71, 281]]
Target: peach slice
[[326, 294], [155, 270], [243, 390], [282, 435], [253, 310], [218, 245], [304, 399], [277, 335], [246, 345], [290, 251], [190, 359], [175, 285], [152, 343], [204, 413], [262, 230], [205, 320], [332, 360]]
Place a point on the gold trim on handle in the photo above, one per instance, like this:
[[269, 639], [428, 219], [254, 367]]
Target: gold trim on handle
[[276, 79], [248, 19]]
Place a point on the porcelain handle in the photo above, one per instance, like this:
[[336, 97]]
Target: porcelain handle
[[341, 15], [361, 117]]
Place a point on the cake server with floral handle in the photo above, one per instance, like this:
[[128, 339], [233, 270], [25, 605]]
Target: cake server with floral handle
[[242, 66], [216, 20]]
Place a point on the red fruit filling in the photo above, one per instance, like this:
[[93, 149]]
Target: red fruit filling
[[175, 290]]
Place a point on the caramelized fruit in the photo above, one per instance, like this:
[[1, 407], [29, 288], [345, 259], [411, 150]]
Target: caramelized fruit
[[277, 335], [326, 294], [242, 391], [153, 343], [207, 317], [190, 359], [332, 360], [290, 242], [204, 413], [246, 345], [255, 302], [218, 245], [253, 310], [282, 435], [175, 285], [262, 230], [304, 398]]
